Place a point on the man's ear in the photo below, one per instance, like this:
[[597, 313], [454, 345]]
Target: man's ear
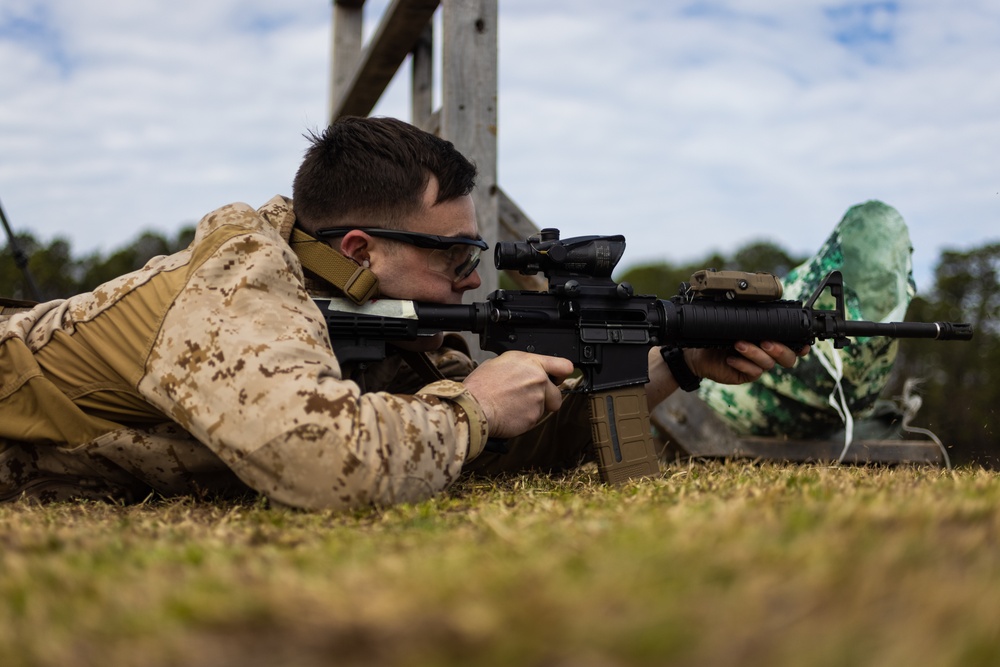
[[355, 245]]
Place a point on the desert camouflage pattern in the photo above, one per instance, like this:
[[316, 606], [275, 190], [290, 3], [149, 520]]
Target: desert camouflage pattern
[[871, 247], [210, 371]]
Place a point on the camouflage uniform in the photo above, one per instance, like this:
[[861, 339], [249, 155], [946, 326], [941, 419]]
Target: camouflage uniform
[[871, 247], [211, 371]]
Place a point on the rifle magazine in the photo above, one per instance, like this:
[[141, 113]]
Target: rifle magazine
[[619, 420]]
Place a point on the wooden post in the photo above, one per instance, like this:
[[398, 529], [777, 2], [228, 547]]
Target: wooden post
[[345, 49], [422, 81], [469, 107]]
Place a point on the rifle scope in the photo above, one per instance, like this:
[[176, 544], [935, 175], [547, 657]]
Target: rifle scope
[[593, 256]]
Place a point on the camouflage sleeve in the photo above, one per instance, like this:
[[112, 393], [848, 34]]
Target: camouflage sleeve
[[243, 362]]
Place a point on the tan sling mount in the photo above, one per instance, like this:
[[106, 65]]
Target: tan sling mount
[[356, 282]]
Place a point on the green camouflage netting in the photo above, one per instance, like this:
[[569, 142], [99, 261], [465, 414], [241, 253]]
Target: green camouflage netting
[[871, 247]]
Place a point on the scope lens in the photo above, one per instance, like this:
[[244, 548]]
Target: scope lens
[[514, 256]]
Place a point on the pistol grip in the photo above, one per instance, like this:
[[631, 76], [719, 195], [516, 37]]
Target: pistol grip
[[619, 421]]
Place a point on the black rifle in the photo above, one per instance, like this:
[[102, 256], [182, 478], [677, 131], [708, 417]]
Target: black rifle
[[606, 330]]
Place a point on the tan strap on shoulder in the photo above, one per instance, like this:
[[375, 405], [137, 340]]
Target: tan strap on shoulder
[[356, 282]]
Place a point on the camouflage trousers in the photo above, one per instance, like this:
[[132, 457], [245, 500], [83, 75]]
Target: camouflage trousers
[[829, 389]]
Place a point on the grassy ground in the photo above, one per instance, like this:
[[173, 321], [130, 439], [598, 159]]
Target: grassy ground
[[715, 563]]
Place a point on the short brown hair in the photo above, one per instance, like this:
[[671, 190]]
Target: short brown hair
[[373, 172]]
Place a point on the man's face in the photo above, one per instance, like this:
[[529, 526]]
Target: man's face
[[422, 274]]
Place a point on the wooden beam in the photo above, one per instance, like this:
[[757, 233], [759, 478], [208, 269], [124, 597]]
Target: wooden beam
[[825, 451], [401, 26], [689, 427], [515, 225]]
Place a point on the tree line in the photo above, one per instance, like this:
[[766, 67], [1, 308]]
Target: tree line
[[57, 273], [959, 382]]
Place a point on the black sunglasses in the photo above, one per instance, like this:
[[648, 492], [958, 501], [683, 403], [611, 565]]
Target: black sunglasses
[[445, 257], [413, 238]]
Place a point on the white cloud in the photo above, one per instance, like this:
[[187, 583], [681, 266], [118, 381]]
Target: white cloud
[[660, 121], [756, 124], [160, 112]]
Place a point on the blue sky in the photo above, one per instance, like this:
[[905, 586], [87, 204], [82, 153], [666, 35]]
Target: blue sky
[[688, 127]]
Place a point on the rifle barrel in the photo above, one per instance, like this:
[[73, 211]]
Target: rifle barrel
[[935, 330]]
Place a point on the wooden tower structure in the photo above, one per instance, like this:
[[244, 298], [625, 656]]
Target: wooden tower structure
[[467, 117]]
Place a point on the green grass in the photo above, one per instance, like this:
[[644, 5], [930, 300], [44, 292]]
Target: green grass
[[715, 563]]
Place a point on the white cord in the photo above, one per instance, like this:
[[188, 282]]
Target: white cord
[[835, 367], [910, 403]]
